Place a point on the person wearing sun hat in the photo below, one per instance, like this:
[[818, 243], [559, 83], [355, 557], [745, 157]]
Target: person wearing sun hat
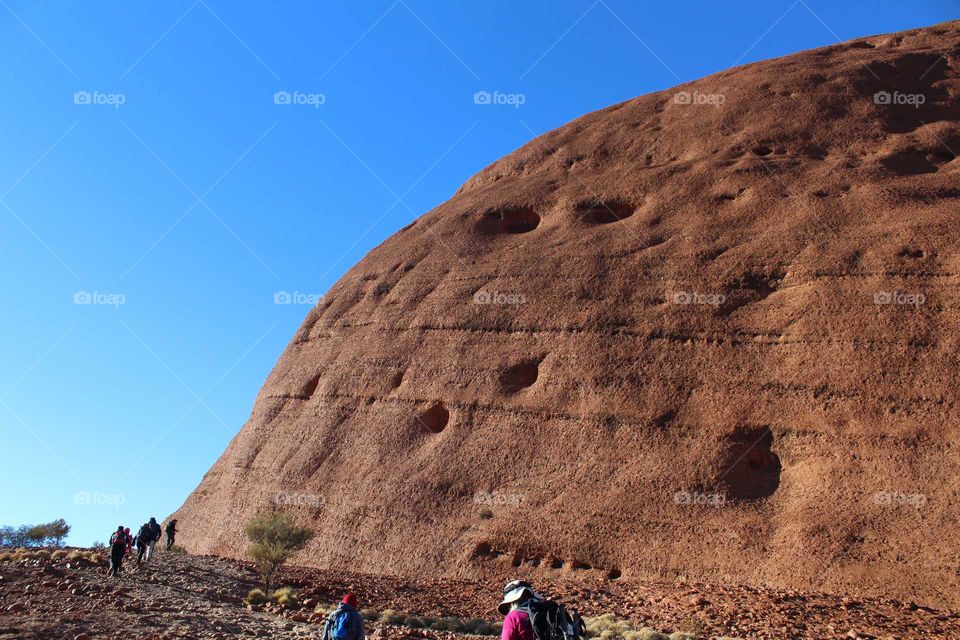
[[345, 622], [517, 624]]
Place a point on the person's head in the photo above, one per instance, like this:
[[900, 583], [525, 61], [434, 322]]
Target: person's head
[[127, 530], [120, 529], [351, 600], [515, 594], [153, 521]]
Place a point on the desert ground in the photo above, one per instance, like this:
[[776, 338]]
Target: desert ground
[[179, 596]]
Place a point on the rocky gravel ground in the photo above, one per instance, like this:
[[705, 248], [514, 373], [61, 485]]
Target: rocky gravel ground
[[181, 596]]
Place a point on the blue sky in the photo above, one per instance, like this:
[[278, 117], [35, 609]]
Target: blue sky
[[155, 197]]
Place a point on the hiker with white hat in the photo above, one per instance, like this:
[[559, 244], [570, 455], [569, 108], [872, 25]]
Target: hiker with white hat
[[529, 616], [517, 624]]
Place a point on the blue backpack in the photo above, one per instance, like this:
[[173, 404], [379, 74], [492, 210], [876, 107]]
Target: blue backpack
[[338, 624]]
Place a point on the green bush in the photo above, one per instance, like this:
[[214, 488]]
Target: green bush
[[370, 614], [486, 514], [176, 549], [274, 538], [59, 554]]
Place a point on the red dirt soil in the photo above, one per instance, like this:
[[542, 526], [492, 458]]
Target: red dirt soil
[[709, 332], [181, 596]]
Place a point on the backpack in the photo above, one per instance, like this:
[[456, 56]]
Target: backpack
[[551, 621], [143, 536], [338, 625]]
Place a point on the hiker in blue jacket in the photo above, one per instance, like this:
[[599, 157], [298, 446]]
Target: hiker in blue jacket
[[345, 623]]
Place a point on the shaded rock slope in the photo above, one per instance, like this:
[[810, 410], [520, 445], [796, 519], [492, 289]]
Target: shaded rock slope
[[709, 332]]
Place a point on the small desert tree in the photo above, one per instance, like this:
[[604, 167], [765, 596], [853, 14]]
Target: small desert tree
[[37, 535], [57, 531], [274, 537]]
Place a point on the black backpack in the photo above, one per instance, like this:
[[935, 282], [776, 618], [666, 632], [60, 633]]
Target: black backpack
[[551, 621], [144, 535]]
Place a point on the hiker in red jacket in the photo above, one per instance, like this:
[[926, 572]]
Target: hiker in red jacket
[[517, 625], [118, 549]]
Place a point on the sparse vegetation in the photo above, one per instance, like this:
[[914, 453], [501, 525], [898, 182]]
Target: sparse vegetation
[[274, 538], [256, 597], [369, 614], [474, 626], [286, 597], [35, 535], [176, 549], [610, 627], [486, 514]]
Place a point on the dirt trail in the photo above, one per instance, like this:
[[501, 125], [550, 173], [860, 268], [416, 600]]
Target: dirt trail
[[195, 597]]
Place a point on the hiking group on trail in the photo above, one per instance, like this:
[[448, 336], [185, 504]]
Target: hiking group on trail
[[527, 614], [121, 543]]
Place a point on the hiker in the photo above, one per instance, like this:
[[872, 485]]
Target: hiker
[[171, 533], [345, 622], [118, 547], [143, 540], [516, 624], [531, 617], [154, 537]]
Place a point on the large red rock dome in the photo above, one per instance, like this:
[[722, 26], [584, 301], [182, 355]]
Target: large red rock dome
[[711, 331]]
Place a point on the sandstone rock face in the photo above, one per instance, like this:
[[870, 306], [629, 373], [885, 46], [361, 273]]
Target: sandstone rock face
[[710, 332]]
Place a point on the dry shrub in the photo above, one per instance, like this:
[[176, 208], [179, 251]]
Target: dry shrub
[[286, 597], [256, 597]]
